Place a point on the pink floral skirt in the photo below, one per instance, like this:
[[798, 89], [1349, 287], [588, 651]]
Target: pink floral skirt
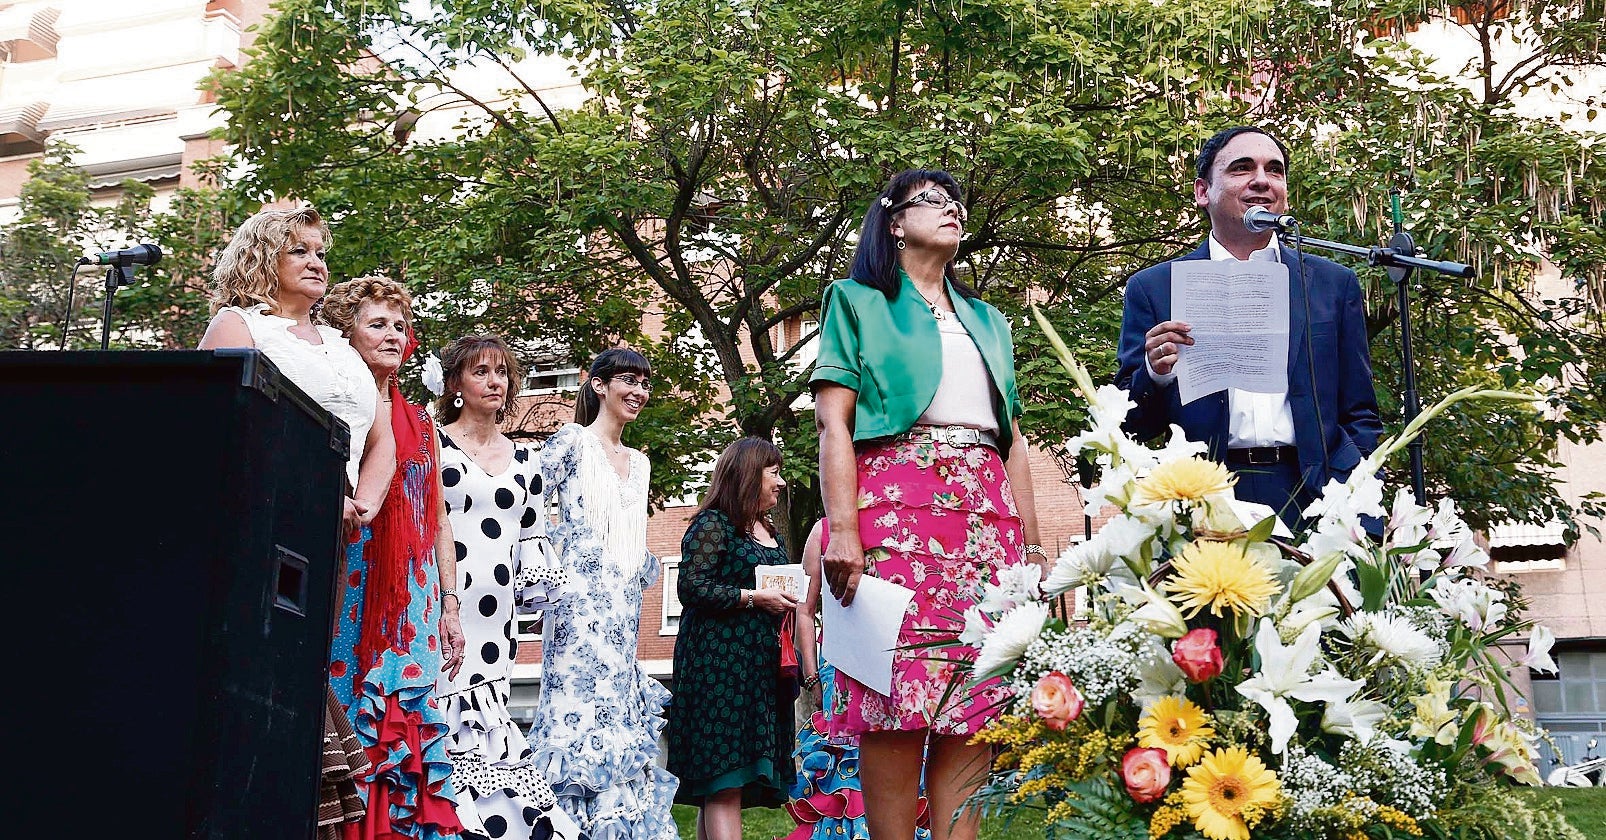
[[941, 521]]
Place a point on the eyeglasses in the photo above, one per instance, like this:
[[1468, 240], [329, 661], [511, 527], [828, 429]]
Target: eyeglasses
[[935, 197], [633, 381]]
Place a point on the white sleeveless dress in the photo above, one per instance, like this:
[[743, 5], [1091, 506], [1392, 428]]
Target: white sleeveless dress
[[331, 373]]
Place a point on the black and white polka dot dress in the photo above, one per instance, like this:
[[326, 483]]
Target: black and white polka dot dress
[[502, 557]]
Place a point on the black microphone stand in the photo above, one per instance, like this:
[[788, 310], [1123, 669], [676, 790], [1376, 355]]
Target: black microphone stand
[[1399, 257], [120, 273]]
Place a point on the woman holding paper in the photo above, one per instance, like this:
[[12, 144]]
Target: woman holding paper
[[730, 726], [926, 485]]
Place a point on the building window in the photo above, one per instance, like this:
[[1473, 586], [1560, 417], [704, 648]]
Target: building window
[[1519, 547], [551, 380], [671, 582], [805, 356], [526, 629]]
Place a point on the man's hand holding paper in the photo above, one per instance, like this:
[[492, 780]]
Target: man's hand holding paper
[[1236, 320]]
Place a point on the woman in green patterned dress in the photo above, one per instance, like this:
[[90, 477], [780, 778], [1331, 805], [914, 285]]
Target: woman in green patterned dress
[[730, 725]]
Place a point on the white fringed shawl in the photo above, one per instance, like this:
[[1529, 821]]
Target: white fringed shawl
[[616, 508]]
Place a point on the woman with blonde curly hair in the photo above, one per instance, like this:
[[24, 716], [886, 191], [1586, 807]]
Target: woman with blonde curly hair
[[263, 290], [399, 616]]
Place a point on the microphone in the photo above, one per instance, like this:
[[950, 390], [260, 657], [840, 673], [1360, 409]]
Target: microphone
[[1260, 220], [137, 255]]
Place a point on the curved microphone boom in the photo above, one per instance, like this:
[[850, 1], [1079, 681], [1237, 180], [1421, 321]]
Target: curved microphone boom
[[138, 255], [1260, 220]]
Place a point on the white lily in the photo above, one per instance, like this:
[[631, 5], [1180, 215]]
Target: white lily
[[1540, 640], [976, 627], [1472, 602], [1159, 616], [1016, 630], [1285, 673], [1158, 676], [1114, 488], [1017, 584], [1320, 609], [1348, 501], [1356, 719]]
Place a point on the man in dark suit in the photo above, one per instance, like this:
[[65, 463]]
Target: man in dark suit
[[1283, 447]]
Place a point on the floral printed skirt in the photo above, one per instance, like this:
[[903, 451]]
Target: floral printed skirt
[[939, 520]]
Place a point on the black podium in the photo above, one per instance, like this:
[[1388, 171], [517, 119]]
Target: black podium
[[173, 535]]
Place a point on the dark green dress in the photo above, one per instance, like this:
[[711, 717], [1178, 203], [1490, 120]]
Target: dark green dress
[[730, 723]]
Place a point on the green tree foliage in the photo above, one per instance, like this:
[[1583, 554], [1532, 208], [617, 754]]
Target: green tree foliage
[[716, 171], [46, 304]]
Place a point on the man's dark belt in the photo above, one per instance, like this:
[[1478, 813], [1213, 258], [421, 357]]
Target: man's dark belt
[[1263, 455]]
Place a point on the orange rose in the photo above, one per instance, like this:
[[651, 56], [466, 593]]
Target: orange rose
[[1056, 700], [1146, 773], [1198, 654]]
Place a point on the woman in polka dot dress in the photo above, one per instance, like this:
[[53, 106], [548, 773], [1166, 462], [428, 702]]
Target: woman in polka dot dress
[[492, 488]]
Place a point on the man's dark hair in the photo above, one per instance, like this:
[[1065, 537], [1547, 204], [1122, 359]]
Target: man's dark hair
[[1213, 146]]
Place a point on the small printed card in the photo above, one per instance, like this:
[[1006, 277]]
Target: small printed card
[[787, 578]]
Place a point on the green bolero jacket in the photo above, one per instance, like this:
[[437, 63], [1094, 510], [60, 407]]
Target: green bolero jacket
[[890, 354]]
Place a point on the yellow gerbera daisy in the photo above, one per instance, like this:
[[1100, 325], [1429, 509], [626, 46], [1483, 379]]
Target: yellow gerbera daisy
[[1176, 725], [1219, 575], [1221, 787], [1185, 480]]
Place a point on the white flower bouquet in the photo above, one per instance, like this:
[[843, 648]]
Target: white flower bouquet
[[1225, 683]]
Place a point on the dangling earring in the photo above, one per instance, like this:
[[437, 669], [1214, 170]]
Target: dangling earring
[[900, 244], [457, 402]]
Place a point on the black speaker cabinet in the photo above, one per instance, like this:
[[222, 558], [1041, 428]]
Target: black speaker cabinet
[[172, 536]]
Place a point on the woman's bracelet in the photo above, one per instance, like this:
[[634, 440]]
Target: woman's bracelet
[[453, 593], [750, 594], [1036, 549], [811, 680]]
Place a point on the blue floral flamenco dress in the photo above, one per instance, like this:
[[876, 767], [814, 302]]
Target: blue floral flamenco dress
[[826, 801], [386, 653]]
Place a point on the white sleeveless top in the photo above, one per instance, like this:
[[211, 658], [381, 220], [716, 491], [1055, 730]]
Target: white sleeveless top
[[331, 373], [965, 393]]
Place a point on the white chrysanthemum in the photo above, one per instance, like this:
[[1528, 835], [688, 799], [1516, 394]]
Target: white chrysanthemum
[[1391, 637], [1017, 584], [1126, 534], [1082, 564], [434, 378], [1017, 629]]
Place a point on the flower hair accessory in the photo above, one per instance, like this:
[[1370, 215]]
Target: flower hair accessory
[[434, 378], [885, 201]]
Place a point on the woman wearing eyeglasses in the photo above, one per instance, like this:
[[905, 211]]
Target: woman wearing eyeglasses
[[926, 484], [596, 728]]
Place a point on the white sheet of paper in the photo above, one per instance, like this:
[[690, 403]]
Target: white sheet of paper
[[859, 639], [787, 577], [1253, 513], [1239, 315]]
